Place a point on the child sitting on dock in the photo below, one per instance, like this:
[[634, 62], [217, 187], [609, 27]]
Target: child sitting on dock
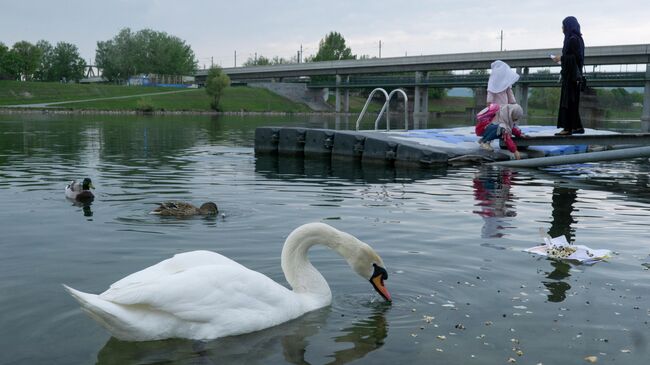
[[503, 125]]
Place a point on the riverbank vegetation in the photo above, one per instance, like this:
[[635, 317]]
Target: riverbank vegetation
[[617, 103], [143, 98]]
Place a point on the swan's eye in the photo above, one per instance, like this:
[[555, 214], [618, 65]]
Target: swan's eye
[[380, 271]]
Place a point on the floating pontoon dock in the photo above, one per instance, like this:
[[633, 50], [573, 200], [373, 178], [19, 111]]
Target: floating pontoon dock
[[435, 147]]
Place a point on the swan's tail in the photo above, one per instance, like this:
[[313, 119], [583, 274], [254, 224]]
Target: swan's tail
[[108, 314]]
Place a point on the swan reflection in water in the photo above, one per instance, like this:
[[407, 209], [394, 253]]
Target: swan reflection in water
[[286, 343]]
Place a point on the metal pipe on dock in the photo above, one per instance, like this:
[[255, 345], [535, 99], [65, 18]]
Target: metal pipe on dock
[[622, 154]]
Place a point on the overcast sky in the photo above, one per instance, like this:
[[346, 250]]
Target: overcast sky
[[215, 29]]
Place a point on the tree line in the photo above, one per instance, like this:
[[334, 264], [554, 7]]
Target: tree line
[[127, 54], [40, 61]]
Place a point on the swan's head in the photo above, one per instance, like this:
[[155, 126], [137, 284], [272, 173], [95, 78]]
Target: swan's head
[[369, 265], [360, 256], [377, 280]]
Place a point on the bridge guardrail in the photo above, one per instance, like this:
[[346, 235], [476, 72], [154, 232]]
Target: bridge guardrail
[[539, 79]]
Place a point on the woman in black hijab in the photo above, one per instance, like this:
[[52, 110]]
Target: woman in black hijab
[[572, 61]]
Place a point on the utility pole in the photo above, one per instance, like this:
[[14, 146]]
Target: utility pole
[[235, 58], [211, 61], [380, 48], [300, 58], [501, 48]]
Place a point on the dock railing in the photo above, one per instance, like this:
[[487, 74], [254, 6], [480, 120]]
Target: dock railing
[[385, 108]]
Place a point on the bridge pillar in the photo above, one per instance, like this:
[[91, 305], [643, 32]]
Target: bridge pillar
[[480, 98], [346, 97], [645, 115], [337, 94], [521, 93], [421, 96]]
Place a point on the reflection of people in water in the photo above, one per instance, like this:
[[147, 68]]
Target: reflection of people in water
[[558, 287], [563, 200], [287, 342], [562, 214], [492, 191]]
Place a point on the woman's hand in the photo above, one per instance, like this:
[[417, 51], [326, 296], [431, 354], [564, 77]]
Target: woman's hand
[[557, 59]]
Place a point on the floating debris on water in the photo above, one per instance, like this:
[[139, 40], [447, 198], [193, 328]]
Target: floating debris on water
[[441, 337], [428, 319], [591, 359]]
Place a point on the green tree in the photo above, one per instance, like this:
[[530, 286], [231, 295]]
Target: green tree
[[333, 47], [547, 98], [67, 64], [438, 93], [263, 61], [6, 72], [257, 61], [26, 59], [146, 51], [44, 71], [116, 57], [216, 83]]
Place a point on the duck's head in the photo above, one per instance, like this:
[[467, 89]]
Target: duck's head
[[209, 208], [87, 184]]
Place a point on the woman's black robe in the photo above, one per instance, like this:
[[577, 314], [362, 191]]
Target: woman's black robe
[[569, 116]]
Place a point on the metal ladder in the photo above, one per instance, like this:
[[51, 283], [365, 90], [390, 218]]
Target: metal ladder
[[385, 108]]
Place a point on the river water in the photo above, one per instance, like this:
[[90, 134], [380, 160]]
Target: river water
[[451, 238]]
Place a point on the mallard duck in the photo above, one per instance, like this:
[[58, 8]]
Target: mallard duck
[[80, 191], [204, 295], [183, 209]]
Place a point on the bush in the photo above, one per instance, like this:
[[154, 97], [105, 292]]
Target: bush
[[144, 105]]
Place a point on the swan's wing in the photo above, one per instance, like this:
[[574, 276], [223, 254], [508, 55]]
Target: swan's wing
[[223, 292], [173, 265]]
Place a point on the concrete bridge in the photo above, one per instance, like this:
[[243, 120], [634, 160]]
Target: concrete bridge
[[345, 72]]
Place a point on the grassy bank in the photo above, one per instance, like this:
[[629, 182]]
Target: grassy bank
[[235, 99], [18, 92]]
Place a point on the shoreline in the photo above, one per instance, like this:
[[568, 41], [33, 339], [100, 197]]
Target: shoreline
[[18, 110]]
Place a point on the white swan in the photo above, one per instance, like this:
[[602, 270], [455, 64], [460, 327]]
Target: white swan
[[204, 295]]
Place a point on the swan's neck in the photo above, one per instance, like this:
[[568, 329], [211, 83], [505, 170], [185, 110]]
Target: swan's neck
[[299, 272]]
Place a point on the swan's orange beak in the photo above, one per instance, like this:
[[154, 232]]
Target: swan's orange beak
[[378, 284], [377, 281]]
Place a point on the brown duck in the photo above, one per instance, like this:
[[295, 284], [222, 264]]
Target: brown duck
[[183, 209]]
